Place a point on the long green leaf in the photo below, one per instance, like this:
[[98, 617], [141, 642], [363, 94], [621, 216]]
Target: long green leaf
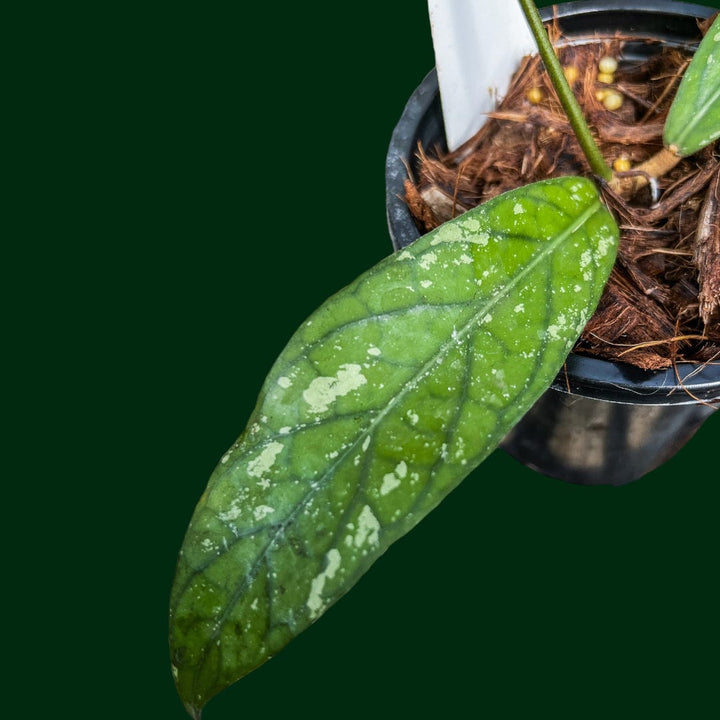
[[694, 118], [390, 394]]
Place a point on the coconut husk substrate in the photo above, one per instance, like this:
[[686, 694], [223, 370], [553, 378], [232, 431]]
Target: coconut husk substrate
[[661, 305]]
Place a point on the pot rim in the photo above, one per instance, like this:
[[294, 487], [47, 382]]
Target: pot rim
[[591, 377]]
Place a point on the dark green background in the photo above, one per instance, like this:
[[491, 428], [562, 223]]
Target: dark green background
[[198, 179]]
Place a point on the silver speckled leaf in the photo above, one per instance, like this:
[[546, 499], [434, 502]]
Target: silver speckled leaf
[[382, 402]]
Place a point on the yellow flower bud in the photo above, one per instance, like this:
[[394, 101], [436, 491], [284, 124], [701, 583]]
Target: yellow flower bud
[[535, 95], [571, 74], [622, 164], [613, 100], [607, 65]]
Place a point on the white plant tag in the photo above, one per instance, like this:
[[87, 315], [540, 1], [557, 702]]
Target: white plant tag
[[478, 46]]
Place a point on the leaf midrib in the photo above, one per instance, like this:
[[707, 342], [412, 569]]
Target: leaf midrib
[[697, 118], [369, 429]]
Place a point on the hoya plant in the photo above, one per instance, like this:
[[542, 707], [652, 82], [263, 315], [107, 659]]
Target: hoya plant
[[391, 393]]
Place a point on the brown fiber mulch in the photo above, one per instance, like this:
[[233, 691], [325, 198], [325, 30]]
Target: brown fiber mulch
[[662, 302]]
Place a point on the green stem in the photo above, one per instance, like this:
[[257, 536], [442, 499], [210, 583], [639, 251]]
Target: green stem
[[567, 98]]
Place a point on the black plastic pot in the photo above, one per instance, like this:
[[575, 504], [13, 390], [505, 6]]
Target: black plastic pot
[[600, 422]]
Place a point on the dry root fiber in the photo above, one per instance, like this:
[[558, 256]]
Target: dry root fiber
[[662, 303]]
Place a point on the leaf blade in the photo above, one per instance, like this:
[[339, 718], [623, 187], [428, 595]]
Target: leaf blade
[[694, 118], [388, 395]]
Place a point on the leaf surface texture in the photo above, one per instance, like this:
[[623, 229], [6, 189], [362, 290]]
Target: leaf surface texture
[[694, 118], [382, 402]]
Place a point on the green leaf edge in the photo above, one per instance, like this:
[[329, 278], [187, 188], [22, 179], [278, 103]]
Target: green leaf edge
[[194, 708], [690, 108]]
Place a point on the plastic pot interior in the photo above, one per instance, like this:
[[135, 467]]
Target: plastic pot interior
[[601, 422]]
